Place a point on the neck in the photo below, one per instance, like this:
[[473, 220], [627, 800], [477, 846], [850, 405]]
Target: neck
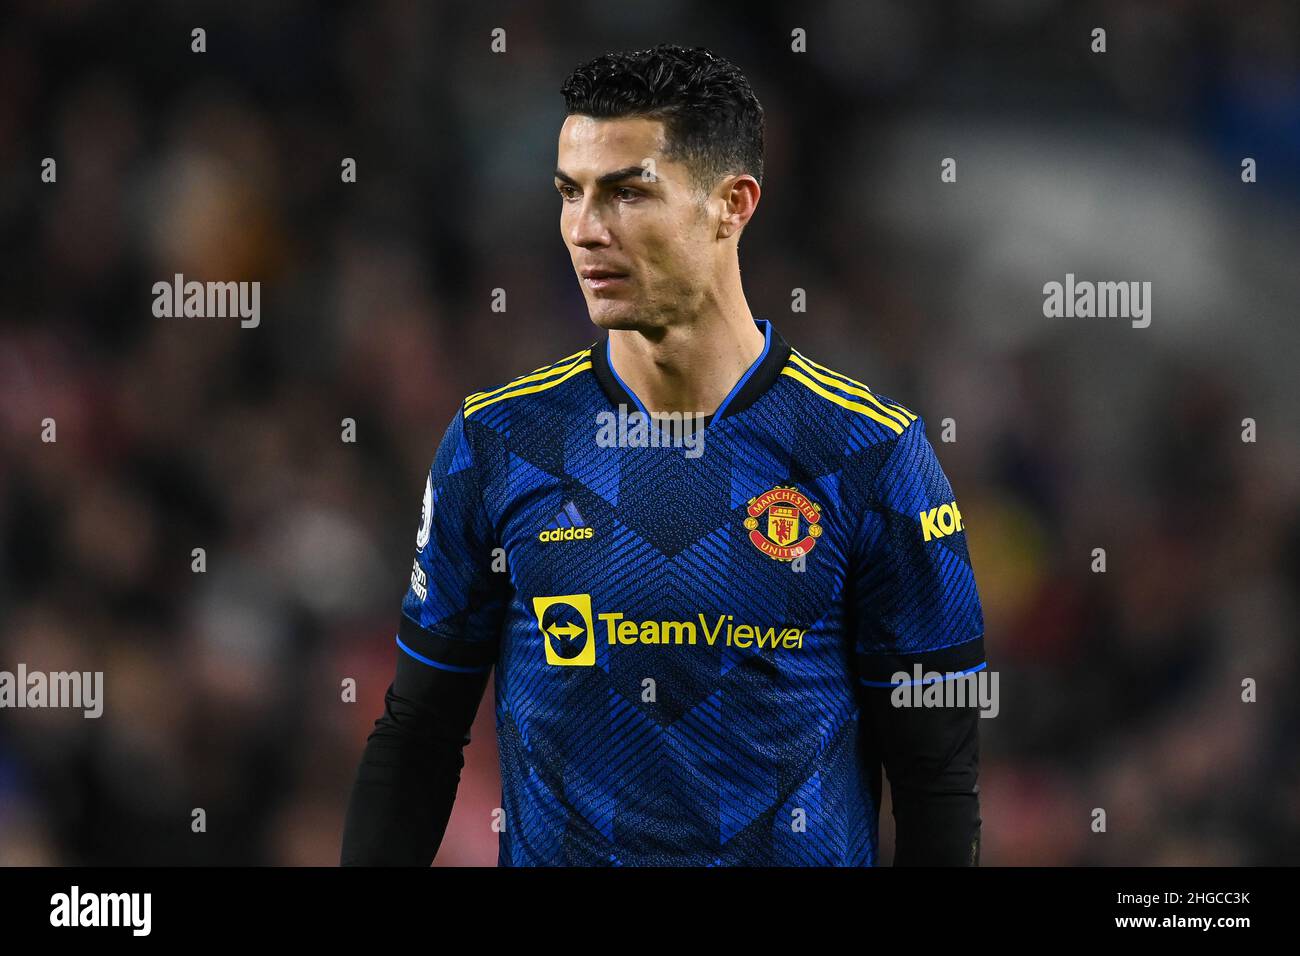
[[687, 367]]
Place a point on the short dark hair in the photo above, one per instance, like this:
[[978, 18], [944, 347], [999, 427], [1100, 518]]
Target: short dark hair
[[712, 120]]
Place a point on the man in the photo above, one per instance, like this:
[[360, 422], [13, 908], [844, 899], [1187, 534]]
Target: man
[[694, 621]]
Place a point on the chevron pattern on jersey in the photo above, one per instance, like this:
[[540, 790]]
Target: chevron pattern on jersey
[[623, 743]]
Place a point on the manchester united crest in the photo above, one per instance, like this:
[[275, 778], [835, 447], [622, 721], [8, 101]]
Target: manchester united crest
[[783, 523]]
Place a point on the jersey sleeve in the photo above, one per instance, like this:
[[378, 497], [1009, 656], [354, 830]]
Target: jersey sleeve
[[917, 611], [914, 593], [454, 606]]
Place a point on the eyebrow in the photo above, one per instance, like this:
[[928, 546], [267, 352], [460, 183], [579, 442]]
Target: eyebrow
[[606, 179]]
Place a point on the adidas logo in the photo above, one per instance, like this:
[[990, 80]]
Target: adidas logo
[[569, 525]]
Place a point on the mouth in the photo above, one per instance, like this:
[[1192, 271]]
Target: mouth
[[599, 280]]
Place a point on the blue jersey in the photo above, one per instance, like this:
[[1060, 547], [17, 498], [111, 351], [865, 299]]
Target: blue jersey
[[682, 622]]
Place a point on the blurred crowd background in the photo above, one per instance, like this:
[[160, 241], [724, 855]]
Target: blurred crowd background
[[1119, 690]]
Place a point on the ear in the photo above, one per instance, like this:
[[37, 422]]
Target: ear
[[739, 196]]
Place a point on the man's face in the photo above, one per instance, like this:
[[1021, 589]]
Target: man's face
[[654, 231]]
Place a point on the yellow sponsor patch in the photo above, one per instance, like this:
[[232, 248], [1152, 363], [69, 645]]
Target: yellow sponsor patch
[[941, 521]]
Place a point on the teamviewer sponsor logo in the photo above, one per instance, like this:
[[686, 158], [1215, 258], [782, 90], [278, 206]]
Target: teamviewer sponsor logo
[[569, 637], [565, 623]]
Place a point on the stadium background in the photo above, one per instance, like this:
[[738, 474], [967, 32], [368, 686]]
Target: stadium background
[[1119, 690]]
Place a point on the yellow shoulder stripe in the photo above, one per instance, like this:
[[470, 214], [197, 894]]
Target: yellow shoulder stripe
[[850, 385], [536, 374], [840, 400], [517, 388]]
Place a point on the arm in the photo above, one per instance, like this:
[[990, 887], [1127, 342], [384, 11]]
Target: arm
[[410, 769], [915, 603], [931, 757], [446, 646]]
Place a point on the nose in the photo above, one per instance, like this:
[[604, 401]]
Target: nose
[[587, 228]]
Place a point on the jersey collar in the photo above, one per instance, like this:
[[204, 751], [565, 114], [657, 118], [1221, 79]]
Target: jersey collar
[[758, 378]]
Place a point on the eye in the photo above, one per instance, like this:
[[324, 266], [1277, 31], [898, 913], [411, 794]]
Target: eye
[[564, 190], [632, 194]]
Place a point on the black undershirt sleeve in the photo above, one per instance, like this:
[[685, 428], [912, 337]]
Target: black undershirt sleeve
[[931, 757], [410, 769]]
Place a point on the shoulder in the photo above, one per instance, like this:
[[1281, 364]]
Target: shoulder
[[882, 442], [548, 381], [846, 405]]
